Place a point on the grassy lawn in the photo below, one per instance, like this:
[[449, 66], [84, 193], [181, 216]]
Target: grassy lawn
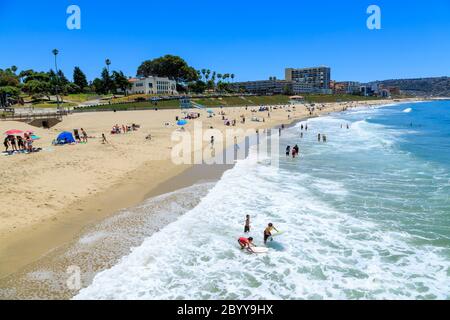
[[228, 101], [81, 97], [131, 98]]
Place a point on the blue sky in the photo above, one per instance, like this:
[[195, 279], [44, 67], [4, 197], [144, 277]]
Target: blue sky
[[252, 39]]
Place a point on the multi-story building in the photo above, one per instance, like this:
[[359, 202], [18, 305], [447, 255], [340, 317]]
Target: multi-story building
[[152, 85], [394, 90], [312, 80], [271, 86], [346, 87]]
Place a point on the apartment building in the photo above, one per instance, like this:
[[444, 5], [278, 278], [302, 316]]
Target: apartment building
[[271, 86], [309, 80]]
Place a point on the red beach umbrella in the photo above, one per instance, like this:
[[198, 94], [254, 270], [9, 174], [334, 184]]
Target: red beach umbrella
[[13, 132]]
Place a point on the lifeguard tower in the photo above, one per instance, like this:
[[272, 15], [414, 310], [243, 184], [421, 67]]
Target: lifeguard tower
[[186, 103], [296, 100]]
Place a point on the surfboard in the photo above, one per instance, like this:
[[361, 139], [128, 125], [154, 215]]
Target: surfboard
[[260, 250], [278, 234]]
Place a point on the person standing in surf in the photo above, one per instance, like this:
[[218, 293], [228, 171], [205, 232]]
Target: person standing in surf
[[297, 150], [247, 224], [268, 232], [294, 153]]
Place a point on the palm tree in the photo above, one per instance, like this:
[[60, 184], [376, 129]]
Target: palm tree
[[108, 63], [55, 53], [204, 73], [219, 76], [208, 72], [232, 77]]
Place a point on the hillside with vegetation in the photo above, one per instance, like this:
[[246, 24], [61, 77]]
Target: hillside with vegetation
[[438, 87]]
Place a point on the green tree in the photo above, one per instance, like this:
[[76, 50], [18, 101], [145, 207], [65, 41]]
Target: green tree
[[108, 83], [11, 91], [8, 78], [62, 78], [79, 78], [170, 66], [197, 87], [204, 74], [58, 83], [38, 88], [222, 86], [121, 81], [72, 88], [97, 86], [24, 74], [38, 84], [6, 93], [210, 85]]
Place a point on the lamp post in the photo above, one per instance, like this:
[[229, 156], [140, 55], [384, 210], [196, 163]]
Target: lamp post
[[55, 53]]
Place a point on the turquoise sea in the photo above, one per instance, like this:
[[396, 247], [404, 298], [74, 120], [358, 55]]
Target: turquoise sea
[[365, 215]]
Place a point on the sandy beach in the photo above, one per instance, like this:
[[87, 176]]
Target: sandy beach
[[49, 196]]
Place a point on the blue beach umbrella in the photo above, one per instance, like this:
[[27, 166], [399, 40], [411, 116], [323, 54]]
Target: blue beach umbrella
[[182, 122]]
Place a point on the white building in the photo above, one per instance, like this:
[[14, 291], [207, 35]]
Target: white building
[[152, 85]]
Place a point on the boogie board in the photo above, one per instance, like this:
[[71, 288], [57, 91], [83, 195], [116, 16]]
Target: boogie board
[[259, 250]]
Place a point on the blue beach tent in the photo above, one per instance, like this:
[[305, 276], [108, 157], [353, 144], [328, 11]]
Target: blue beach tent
[[65, 137]]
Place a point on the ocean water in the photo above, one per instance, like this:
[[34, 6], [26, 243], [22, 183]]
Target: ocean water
[[365, 216]]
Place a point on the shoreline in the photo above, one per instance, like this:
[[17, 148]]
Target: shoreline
[[39, 240]]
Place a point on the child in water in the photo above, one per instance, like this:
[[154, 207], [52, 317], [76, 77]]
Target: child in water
[[268, 232], [247, 224], [246, 243]]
